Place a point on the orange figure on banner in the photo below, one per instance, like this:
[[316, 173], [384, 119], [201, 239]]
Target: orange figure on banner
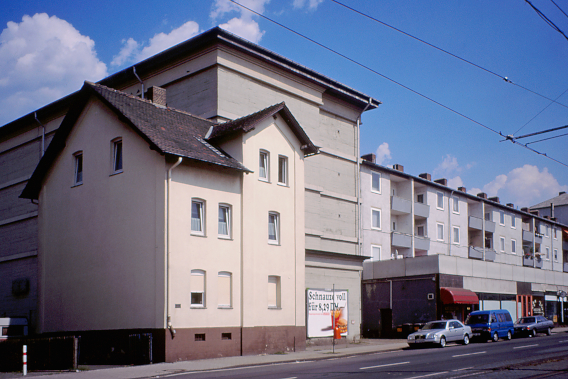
[[339, 323]]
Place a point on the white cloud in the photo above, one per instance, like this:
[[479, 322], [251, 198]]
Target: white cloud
[[248, 30], [312, 4], [42, 59], [455, 182], [244, 25], [132, 51], [383, 153], [447, 167]]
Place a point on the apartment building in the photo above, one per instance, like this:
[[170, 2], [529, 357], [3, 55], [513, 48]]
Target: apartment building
[[219, 77], [438, 252]]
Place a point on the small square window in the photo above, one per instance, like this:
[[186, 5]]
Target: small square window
[[273, 228], [420, 198], [224, 228], [117, 156], [440, 200], [78, 175], [376, 219], [197, 217], [226, 336], [282, 170], [263, 168], [421, 231], [200, 336], [375, 182]]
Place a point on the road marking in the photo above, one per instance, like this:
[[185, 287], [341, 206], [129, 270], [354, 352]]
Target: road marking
[[465, 368], [427, 375], [465, 355], [389, 364], [562, 341], [522, 347]]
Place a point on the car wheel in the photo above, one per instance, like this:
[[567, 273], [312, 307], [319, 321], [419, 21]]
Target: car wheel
[[495, 337], [532, 333], [509, 335], [466, 339], [548, 332], [443, 341]]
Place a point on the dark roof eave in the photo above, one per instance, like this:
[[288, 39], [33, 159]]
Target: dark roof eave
[[242, 168]]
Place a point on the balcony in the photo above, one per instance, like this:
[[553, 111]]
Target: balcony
[[490, 255], [421, 210], [400, 205], [527, 236], [538, 238], [489, 226], [401, 240], [528, 261], [475, 223], [538, 262], [565, 266], [422, 243], [476, 252]]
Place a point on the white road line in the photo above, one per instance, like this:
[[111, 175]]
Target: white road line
[[465, 355], [389, 364], [462, 369], [292, 377], [522, 347], [427, 375], [562, 341]]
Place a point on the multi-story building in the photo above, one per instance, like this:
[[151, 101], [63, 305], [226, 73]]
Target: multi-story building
[[438, 252], [219, 77]]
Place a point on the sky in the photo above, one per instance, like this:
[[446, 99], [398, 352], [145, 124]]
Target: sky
[[451, 75]]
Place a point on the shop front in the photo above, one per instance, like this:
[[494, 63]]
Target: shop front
[[457, 303]]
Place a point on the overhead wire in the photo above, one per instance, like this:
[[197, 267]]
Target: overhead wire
[[543, 109], [546, 19], [561, 10], [391, 80]]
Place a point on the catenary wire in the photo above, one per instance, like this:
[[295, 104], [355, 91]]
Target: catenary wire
[[546, 19], [506, 79], [543, 109], [546, 139], [392, 80], [561, 10]]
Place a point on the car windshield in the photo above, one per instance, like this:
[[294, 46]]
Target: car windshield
[[477, 319], [526, 320], [435, 325]]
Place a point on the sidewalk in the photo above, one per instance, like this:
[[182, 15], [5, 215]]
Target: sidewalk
[[366, 346]]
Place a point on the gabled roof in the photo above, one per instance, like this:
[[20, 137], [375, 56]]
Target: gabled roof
[[248, 123], [561, 199]]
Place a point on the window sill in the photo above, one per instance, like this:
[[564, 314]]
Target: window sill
[[283, 184], [275, 308], [226, 238], [224, 307], [116, 173], [197, 307], [197, 234], [263, 180], [77, 185], [274, 243]]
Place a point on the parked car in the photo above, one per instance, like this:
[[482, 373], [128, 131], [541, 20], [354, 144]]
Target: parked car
[[530, 326], [440, 332], [491, 325]]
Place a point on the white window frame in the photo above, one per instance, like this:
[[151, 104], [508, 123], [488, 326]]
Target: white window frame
[[282, 170], [201, 217], [423, 226], [555, 232], [440, 199], [502, 244], [276, 281], [225, 274], [513, 246], [373, 210], [513, 222], [555, 255], [501, 218], [378, 175], [454, 229], [423, 198], [117, 155], [438, 225], [78, 163], [264, 163], [274, 219], [378, 256], [225, 211], [455, 204], [547, 231], [547, 256], [197, 273]]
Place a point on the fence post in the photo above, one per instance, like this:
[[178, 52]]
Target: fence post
[[75, 353], [25, 369]]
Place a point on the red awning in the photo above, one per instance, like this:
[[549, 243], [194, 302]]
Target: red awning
[[450, 295]]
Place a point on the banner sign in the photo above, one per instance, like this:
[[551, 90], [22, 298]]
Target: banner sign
[[324, 308]]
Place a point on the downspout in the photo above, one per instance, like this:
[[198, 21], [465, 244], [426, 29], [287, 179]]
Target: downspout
[[42, 134], [169, 178], [358, 181], [140, 80], [450, 229]]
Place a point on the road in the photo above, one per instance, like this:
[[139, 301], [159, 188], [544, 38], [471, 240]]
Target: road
[[542, 356]]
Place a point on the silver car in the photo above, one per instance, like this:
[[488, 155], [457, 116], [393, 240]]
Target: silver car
[[440, 332]]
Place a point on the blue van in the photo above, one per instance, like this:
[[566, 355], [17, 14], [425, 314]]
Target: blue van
[[491, 325]]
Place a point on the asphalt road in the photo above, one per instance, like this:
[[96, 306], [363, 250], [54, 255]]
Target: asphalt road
[[543, 356]]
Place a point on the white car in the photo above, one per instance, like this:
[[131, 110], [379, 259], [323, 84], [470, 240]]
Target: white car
[[440, 332]]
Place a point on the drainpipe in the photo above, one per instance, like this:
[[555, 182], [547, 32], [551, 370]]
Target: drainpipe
[[42, 134], [450, 229], [483, 227], [358, 181], [140, 80], [169, 178]]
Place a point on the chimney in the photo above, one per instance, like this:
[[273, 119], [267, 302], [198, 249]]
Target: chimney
[[482, 195], [443, 182], [462, 189], [425, 176], [545, 217], [157, 95], [398, 167], [494, 198], [511, 205], [561, 193], [369, 157], [525, 209], [534, 212]]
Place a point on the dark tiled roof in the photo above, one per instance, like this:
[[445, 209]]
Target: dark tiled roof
[[560, 200]]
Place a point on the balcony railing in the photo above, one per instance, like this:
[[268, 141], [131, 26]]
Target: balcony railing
[[538, 262], [401, 240], [490, 255], [528, 261], [489, 226], [476, 252], [565, 266], [527, 236], [421, 210], [400, 205], [475, 223], [422, 243]]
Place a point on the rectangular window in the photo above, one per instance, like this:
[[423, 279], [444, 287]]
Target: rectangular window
[[375, 253], [282, 170], [274, 292], [547, 231], [501, 218], [513, 246], [117, 156], [502, 243], [555, 233], [197, 217], [420, 198], [226, 336], [200, 336], [78, 177], [421, 231], [456, 235], [488, 216], [440, 232], [393, 226], [456, 204], [224, 289], [513, 222], [375, 219], [547, 253], [197, 288], [273, 228], [556, 255], [375, 182], [440, 201], [224, 221], [263, 166]]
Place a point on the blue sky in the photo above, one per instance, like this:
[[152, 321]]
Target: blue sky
[[47, 50]]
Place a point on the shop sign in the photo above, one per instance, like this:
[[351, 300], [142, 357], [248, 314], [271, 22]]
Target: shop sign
[[324, 308]]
